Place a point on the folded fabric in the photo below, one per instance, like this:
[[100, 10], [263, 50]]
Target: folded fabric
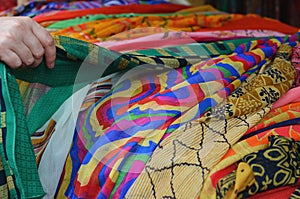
[[136, 124], [73, 56], [254, 143], [251, 21], [296, 63], [293, 95], [19, 178], [99, 30], [204, 9], [35, 8], [184, 158], [122, 43], [275, 166], [280, 192], [134, 8]]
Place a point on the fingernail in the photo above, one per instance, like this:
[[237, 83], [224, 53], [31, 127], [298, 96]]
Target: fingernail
[[51, 65]]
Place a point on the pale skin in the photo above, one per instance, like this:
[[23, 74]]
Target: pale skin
[[24, 43]]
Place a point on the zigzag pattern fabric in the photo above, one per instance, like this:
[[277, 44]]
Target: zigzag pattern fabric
[[142, 113]]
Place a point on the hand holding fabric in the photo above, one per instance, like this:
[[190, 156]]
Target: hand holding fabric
[[23, 42]]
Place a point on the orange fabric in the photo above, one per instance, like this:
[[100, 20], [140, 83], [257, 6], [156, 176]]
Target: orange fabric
[[99, 30], [280, 114], [134, 8], [252, 21]]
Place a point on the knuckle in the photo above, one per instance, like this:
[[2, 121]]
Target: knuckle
[[18, 24], [49, 40], [8, 37], [39, 53]]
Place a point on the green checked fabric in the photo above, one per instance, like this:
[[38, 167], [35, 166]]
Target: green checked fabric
[[17, 156], [18, 170]]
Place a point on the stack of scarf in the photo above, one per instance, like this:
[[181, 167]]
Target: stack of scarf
[[154, 101]]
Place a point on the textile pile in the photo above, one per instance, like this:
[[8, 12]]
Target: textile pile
[[153, 99]]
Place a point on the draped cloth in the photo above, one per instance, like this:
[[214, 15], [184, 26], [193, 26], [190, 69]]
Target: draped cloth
[[184, 158], [117, 133], [142, 113], [275, 166]]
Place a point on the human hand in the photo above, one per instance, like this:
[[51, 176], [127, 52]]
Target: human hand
[[23, 42]]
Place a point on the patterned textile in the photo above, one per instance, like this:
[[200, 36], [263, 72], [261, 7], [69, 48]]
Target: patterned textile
[[211, 136], [133, 8], [254, 143], [133, 40], [56, 134], [72, 52], [110, 147], [196, 52], [19, 178], [60, 86], [277, 165], [256, 22], [205, 9], [296, 63], [7, 179], [98, 30], [296, 194], [38, 7]]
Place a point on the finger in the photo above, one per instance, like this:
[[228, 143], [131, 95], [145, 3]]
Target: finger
[[34, 46], [24, 54], [47, 42], [37, 61], [11, 59]]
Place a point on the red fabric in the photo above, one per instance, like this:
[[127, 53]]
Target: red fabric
[[256, 22], [4, 5], [280, 193], [134, 8]]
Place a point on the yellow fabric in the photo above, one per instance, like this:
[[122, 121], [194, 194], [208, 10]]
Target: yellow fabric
[[202, 8]]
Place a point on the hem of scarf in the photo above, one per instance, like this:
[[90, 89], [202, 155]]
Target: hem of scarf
[[11, 134]]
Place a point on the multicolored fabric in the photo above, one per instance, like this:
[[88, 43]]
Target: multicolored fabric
[[37, 7], [133, 8], [254, 143], [99, 30], [296, 63], [204, 9], [277, 165], [196, 52], [134, 40], [184, 158], [135, 130]]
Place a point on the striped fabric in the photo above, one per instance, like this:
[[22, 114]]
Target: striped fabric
[[142, 113]]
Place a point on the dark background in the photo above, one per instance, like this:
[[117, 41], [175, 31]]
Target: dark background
[[287, 11]]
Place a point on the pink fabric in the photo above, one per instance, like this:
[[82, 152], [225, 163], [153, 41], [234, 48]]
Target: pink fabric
[[296, 63], [169, 38], [296, 56], [293, 95]]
